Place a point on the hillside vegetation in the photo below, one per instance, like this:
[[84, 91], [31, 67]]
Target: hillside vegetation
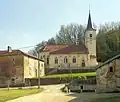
[[108, 39]]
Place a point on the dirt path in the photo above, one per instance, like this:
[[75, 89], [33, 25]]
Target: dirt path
[[52, 93]]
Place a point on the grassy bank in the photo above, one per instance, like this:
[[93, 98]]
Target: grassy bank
[[71, 75], [108, 99], [6, 95]]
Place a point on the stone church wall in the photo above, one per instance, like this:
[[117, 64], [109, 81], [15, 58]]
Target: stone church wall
[[79, 58]]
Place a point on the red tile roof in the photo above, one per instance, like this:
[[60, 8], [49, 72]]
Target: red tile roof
[[65, 49], [51, 48], [5, 52], [16, 52]]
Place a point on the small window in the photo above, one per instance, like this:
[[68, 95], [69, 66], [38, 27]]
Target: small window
[[56, 60], [81, 86], [65, 59], [13, 79], [111, 69], [74, 59], [90, 35], [47, 60]]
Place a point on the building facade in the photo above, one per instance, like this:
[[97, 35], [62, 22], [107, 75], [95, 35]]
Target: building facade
[[108, 75], [18, 66], [73, 56]]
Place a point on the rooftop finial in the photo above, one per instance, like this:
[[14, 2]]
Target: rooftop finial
[[89, 25], [89, 8]]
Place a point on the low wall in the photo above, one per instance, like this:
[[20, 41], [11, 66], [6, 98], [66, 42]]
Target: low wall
[[50, 81], [46, 81], [34, 82], [85, 87]]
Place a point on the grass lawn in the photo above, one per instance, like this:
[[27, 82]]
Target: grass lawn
[[73, 75], [6, 95], [108, 99]]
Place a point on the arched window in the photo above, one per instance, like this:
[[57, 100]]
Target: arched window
[[65, 59], [111, 67], [74, 59], [83, 63], [56, 60]]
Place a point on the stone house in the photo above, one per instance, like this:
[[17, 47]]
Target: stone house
[[75, 56], [108, 75], [18, 67]]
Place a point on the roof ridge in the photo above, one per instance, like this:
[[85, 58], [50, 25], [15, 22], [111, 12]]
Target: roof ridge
[[106, 62], [19, 51]]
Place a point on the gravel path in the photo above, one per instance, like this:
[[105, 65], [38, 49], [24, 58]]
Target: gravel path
[[52, 93]]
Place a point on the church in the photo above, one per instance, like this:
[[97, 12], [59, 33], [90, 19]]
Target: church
[[72, 56]]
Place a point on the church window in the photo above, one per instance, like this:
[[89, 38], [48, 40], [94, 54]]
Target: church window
[[91, 35], [56, 60], [83, 63], [65, 59], [74, 59]]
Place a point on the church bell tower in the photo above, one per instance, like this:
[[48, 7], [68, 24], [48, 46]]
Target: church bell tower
[[90, 40]]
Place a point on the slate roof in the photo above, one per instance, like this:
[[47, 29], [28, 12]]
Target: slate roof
[[89, 24]]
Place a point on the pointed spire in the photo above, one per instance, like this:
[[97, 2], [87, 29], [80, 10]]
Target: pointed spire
[[89, 25]]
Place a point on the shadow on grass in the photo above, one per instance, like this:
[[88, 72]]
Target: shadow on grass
[[108, 99], [94, 97], [79, 96], [82, 97]]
